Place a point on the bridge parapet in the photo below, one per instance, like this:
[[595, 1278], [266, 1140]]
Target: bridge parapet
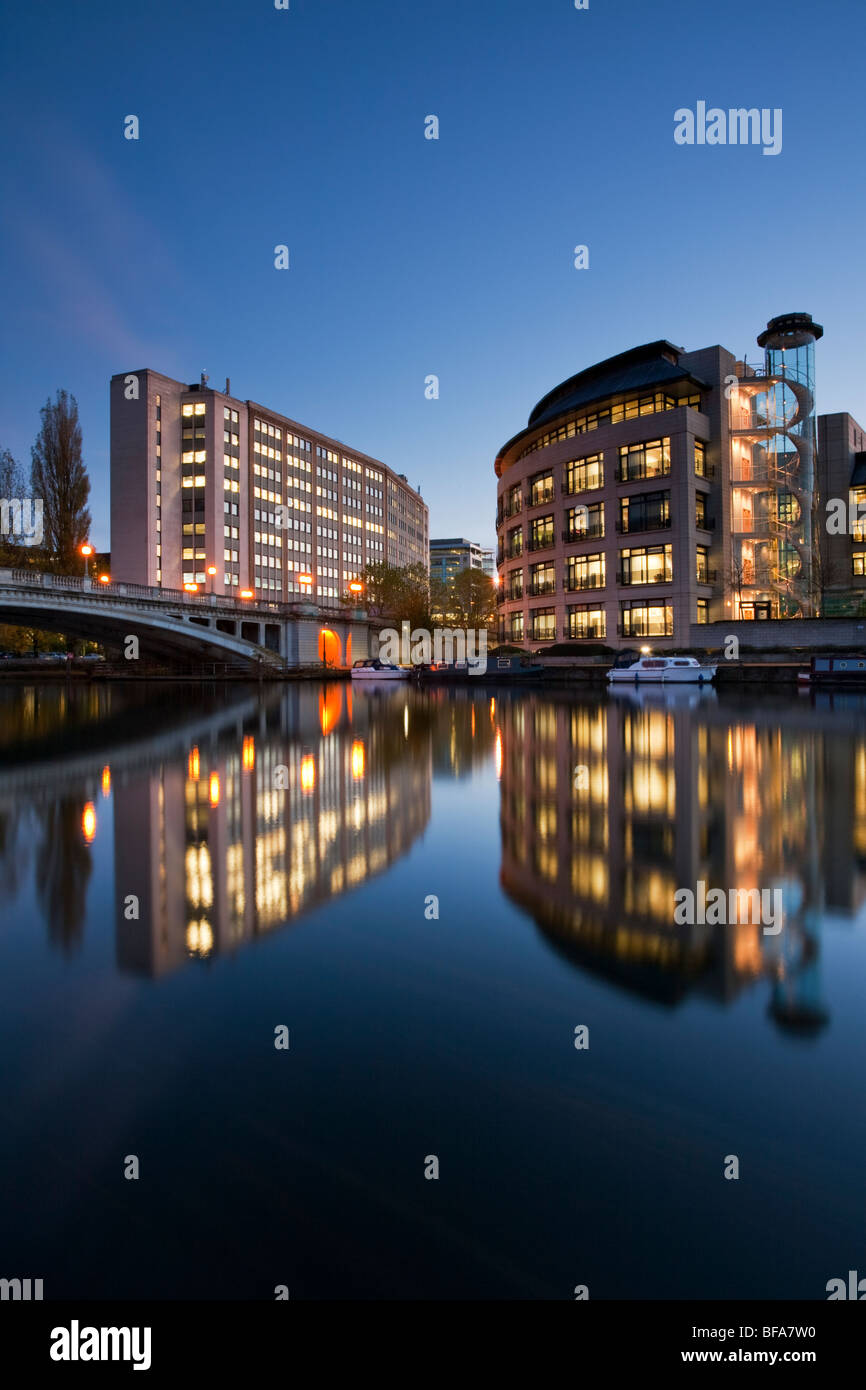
[[327, 608], [179, 627]]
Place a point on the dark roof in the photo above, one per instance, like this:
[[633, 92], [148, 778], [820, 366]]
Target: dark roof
[[858, 476], [653, 364]]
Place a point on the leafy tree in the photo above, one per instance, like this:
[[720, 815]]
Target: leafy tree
[[473, 599], [396, 592], [60, 479]]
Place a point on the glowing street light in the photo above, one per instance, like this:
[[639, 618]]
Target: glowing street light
[[86, 550], [358, 760], [88, 822], [308, 773], [305, 579], [356, 587], [191, 588], [247, 593], [211, 569], [105, 579]]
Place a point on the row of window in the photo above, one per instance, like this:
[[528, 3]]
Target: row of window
[[585, 621], [646, 513], [636, 463], [637, 565], [631, 409]]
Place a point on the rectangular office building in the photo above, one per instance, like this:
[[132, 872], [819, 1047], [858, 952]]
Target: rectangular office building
[[226, 494]]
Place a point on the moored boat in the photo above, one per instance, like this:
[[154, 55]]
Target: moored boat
[[835, 670], [373, 669], [517, 668], [670, 670]]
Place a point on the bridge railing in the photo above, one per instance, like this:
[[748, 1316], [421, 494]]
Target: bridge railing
[[149, 594]]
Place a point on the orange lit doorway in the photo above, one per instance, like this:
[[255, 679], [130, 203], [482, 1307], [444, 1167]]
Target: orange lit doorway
[[330, 648]]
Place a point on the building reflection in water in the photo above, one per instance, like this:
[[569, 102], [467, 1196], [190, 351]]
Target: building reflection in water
[[609, 806], [251, 830]]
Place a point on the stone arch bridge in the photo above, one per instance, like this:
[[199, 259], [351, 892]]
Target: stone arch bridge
[[177, 628]]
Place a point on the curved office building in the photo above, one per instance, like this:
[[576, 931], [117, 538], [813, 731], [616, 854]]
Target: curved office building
[[661, 490], [607, 504]]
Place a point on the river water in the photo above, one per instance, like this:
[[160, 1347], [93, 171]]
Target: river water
[[425, 894]]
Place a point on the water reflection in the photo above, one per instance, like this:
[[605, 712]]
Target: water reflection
[[231, 813], [226, 824], [609, 806]]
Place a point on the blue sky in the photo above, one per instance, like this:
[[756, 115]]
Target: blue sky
[[408, 256]]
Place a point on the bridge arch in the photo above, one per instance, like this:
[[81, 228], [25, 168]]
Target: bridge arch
[[330, 648]]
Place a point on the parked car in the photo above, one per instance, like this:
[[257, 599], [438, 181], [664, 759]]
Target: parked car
[[93, 656]]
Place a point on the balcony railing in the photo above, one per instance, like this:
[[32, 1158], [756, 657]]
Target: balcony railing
[[708, 523], [708, 472], [569, 490], [626, 581], [593, 532], [544, 586], [546, 542], [628, 529], [625, 475], [539, 499], [575, 585], [626, 630], [706, 576], [512, 508]]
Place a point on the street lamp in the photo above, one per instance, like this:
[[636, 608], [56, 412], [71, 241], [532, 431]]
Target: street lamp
[[356, 587], [191, 588], [105, 579], [211, 569], [86, 550]]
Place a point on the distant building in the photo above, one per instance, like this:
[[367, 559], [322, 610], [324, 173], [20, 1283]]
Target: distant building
[[211, 490], [451, 555], [842, 474]]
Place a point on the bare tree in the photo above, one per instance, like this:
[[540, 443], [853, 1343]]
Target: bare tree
[[60, 479], [737, 580], [13, 489]]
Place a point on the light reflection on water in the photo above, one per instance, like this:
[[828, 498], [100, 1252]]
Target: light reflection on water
[[149, 840]]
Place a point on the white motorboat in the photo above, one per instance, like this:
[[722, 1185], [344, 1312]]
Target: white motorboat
[[667, 669], [375, 670]]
